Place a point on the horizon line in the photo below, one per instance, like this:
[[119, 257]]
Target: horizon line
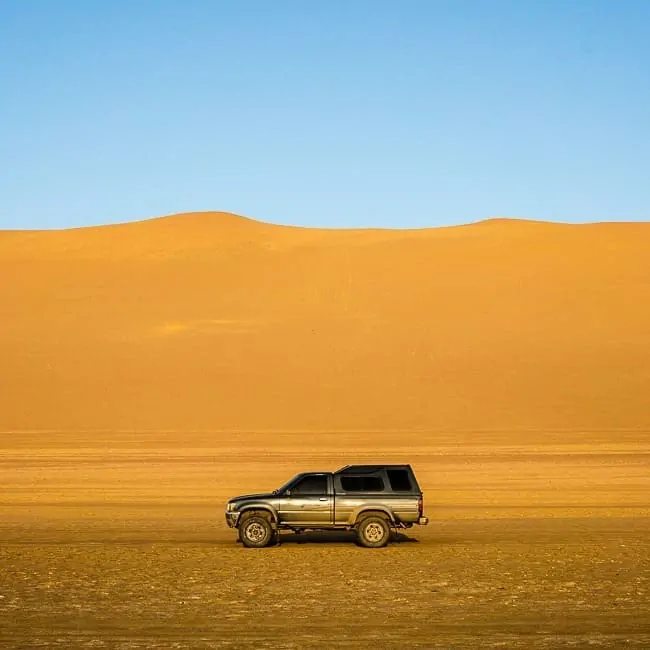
[[495, 220]]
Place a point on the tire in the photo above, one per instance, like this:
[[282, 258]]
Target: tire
[[255, 530], [373, 531]]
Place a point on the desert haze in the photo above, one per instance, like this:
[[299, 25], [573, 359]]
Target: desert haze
[[151, 370]]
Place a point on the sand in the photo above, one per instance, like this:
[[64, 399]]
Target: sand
[[214, 322], [151, 370]]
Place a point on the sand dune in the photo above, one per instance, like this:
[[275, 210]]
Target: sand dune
[[215, 322]]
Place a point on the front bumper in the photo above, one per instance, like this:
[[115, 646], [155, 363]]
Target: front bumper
[[423, 521], [231, 519]]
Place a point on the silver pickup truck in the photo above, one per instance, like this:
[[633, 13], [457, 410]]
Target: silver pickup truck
[[369, 499]]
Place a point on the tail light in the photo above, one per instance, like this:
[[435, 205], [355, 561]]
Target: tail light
[[420, 505]]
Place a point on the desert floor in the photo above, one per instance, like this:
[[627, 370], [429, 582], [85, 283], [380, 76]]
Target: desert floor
[[118, 541]]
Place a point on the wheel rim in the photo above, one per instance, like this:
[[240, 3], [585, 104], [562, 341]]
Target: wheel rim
[[255, 532], [374, 532]]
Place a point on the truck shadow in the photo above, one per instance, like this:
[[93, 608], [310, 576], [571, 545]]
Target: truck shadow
[[335, 537]]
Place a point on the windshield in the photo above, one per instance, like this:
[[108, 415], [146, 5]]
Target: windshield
[[287, 484]]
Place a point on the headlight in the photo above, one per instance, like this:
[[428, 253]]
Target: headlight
[[230, 507]]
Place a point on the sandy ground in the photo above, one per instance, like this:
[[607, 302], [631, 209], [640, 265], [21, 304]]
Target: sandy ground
[[119, 542]]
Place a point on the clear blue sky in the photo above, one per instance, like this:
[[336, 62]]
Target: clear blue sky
[[401, 113]]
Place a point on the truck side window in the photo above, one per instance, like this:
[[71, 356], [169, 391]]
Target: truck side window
[[362, 483], [311, 485], [399, 480]]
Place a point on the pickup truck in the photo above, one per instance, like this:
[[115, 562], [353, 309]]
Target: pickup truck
[[369, 499]]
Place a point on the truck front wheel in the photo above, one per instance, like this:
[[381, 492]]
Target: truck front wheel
[[373, 531], [255, 530]]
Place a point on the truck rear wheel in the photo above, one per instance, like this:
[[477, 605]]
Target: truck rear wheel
[[373, 531], [255, 530]]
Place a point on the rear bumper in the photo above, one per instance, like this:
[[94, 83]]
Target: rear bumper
[[423, 521]]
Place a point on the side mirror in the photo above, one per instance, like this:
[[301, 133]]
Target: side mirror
[[287, 493]]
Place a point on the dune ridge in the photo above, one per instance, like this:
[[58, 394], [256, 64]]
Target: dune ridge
[[211, 321]]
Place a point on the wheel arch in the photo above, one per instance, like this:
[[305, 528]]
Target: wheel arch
[[367, 509], [250, 507]]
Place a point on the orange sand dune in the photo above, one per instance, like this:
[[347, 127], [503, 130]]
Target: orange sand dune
[[211, 321]]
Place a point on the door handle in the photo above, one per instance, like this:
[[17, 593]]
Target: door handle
[[323, 499]]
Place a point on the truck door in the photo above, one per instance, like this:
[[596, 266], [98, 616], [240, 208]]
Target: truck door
[[310, 502]]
